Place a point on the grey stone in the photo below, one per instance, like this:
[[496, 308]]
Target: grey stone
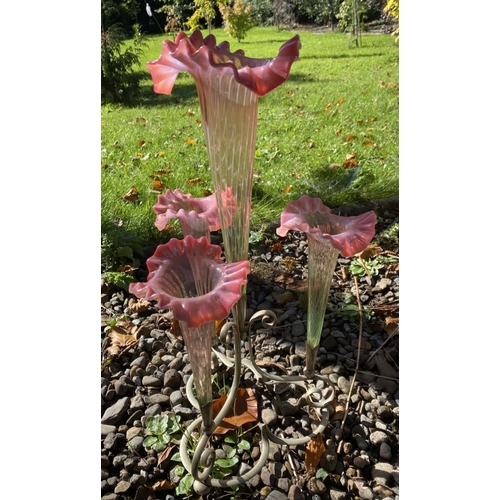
[[140, 362], [298, 328], [122, 487], [112, 440], [385, 451], [110, 496], [284, 484], [378, 437], [295, 493], [114, 413], [269, 416], [158, 398], [382, 473], [276, 495], [136, 442], [176, 364], [344, 384], [274, 451], [330, 343], [316, 486], [152, 410], [149, 381], [337, 494], [267, 477], [329, 459], [176, 398], [172, 378], [106, 429], [366, 493]]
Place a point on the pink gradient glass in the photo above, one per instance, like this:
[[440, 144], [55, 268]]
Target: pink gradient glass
[[189, 277], [197, 216], [327, 236], [229, 85]]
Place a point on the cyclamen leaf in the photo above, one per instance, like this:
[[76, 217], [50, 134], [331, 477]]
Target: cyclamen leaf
[[227, 463], [149, 441]]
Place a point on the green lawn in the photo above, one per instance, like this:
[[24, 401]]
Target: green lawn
[[330, 131]]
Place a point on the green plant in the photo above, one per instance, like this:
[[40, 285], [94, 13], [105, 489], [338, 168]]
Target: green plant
[[119, 76], [118, 279], [160, 430], [119, 248], [237, 18], [358, 267], [204, 10]]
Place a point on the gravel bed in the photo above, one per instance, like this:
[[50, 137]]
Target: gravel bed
[[361, 460]]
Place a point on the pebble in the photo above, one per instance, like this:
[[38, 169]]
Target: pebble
[[269, 417], [381, 473], [385, 451], [378, 437], [114, 413]]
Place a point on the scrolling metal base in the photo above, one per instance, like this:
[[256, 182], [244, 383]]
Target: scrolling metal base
[[319, 392]]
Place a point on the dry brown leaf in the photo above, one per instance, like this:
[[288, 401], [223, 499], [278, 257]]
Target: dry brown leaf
[[349, 137], [166, 454], [142, 142], [244, 410], [158, 185], [191, 142], [369, 143], [266, 363], [162, 485], [351, 156], [391, 325], [219, 325], [131, 195], [277, 247], [339, 412], [163, 171], [196, 180], [369, 252], [127, 268], [283, 298], [175, 328], [314, 451], [288, 189], [341, 100], [350, 163], [138, 306]]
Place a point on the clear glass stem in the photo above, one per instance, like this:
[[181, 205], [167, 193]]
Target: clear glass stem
[[195, 227], [229, 112], [321, 263], [199, 347]]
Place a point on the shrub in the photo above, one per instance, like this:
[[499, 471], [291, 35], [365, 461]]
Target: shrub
[[237, 18]]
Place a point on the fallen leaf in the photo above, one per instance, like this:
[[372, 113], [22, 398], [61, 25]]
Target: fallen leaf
[[219, 325], [138, 306], [162, 485], [341, 101], [132, 195], [163, 171], [142, 142], [175, 328], [350, 163], [328, 106], [338, 131], [283, 298], [391, 325], [277, 247], [191, 142], [288, 189], [244, 410], [369, 252], [349, 137], [339, 412], [369, 143], [314, 451], [165, 455], [266, 363], [206, 192], [196, 180], [158, 185], [127, 268], [351, 156], [190, 112]]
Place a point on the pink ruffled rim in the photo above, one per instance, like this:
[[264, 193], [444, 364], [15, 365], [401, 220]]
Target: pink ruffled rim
[[185, 206], [197, 55], [172, 260], [349, 235]]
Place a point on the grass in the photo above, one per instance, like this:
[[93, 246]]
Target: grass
[[330, 131]]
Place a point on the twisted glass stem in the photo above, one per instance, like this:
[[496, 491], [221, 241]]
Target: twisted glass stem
[[322, 260], [229, 112], [199, 346]]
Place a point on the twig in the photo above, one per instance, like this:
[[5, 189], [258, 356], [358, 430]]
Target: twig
[[360, 311], [396, 330]]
